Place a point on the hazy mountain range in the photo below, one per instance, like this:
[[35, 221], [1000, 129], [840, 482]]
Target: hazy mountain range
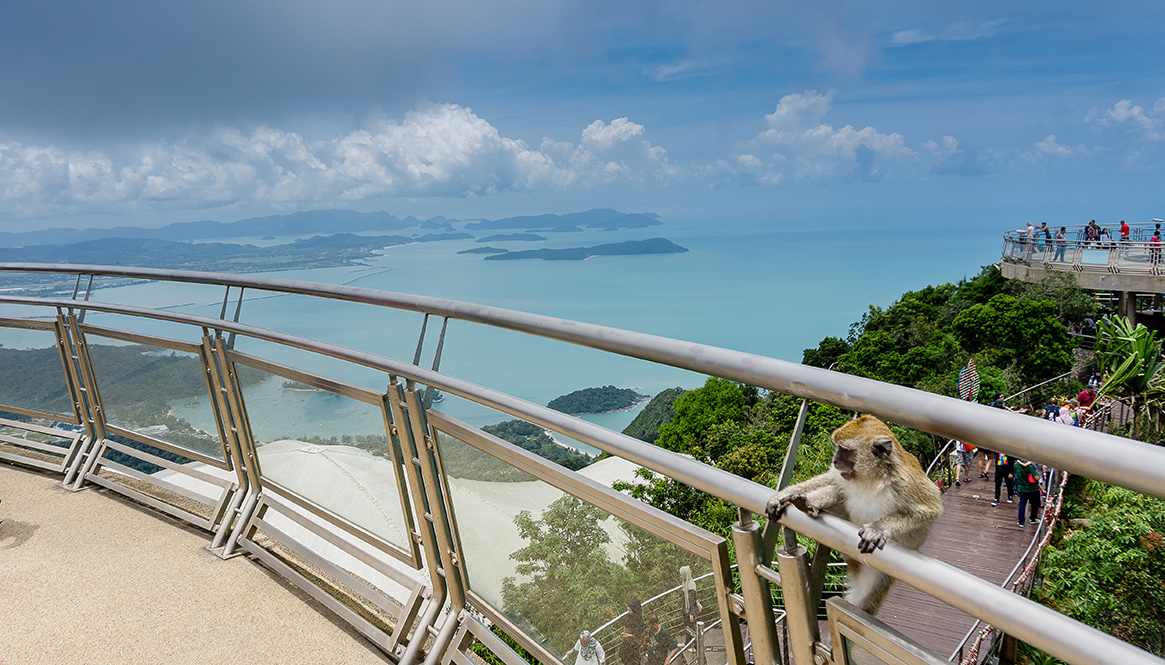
[[328, 222]]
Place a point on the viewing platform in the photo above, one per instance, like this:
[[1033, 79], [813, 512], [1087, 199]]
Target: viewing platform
[[1122, 266]]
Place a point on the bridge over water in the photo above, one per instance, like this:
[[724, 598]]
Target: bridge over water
[[400, 522]]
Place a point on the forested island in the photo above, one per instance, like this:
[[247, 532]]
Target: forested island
[[513, 237], [652, 246], [607, 399], [536, 440]]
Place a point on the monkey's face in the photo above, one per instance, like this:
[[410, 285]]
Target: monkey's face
[[843, 461]]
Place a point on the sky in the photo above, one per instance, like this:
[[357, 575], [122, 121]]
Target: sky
[[154, 112]]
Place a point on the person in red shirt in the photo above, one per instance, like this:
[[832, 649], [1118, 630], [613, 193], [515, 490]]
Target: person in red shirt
[[1124, 231]]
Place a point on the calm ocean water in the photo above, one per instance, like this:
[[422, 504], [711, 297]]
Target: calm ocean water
[[757, 286]]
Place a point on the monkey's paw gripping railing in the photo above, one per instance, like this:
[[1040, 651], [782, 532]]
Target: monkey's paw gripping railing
[[330, 464]]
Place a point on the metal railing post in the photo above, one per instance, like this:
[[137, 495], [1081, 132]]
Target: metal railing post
[[701, 657], [758, 603], [800, 615]]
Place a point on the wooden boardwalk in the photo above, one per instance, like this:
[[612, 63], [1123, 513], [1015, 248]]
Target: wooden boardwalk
[[973, 536]]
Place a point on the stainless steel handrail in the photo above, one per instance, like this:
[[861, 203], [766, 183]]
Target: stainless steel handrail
[[1120, 461], [1104, 457]]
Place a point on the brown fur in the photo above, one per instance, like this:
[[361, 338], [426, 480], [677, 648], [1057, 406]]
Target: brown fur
[[876, 483]]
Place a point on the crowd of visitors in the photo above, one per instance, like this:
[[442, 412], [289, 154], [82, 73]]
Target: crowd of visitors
[[1020, 478], [1041, 239]]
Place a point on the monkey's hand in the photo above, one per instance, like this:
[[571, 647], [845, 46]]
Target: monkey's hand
[[870, 539], [778, 503]]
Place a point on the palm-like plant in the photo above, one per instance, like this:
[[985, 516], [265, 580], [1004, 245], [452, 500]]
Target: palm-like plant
[[1131, 356]]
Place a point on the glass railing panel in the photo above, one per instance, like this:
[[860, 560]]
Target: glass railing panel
[[32, 375], [553, 564], [36, 437], [155, 392], [1093, 256], [327, 443], [1136, 257]]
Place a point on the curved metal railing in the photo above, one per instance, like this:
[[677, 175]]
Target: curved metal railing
[[1131, 464]]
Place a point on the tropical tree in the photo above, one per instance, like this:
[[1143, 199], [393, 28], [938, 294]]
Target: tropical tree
[[569, 583], [1131, 358]]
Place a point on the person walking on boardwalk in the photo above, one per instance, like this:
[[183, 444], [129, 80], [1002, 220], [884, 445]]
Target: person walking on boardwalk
[[1027, 486], [661, 646], [1004, 475], [589, 651], [964, 460], [691, 606]]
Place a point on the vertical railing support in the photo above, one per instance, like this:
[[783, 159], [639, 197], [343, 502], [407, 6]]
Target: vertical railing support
[[801, 616], [758, 603], [701, 657]]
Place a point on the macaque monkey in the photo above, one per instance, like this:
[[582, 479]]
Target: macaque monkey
[[876, 484]]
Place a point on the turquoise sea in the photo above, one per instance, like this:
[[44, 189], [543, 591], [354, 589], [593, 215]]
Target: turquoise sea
[[757, 285]]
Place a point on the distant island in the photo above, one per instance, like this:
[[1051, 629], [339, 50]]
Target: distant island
[[484, 250], [435, 237], [522, 237], [652, 246], [607, 399], [326, 222], [599, 218]]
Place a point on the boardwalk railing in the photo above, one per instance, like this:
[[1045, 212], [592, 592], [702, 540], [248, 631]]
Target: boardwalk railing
[[433, 527], [1140, 254]]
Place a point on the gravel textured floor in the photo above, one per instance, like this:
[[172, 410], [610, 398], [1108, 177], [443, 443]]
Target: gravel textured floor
[[89, 577]]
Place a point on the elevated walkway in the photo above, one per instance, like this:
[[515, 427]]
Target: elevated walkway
[[91, 577], [975, 537], [1123, 267]]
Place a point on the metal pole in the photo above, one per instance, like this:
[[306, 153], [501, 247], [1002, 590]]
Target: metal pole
[[758, 604], [800, 615]]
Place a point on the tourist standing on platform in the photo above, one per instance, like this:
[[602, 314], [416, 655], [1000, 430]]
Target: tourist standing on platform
[[1004, 475], [1105, 238], [1027, 486], [1061, 243], [1092, 232], [1155, 248], [589, 651], [661, 646], [634, 635], [1047, 235]]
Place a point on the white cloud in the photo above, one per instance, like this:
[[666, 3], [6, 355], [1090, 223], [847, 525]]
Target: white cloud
[[959, 31], [1052, 149], [799, 145], [603, 136], [689, 68], [435, 150], [1148, 124]]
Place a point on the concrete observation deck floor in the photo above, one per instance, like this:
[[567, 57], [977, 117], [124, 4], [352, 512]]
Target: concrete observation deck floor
[[91, 577]]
